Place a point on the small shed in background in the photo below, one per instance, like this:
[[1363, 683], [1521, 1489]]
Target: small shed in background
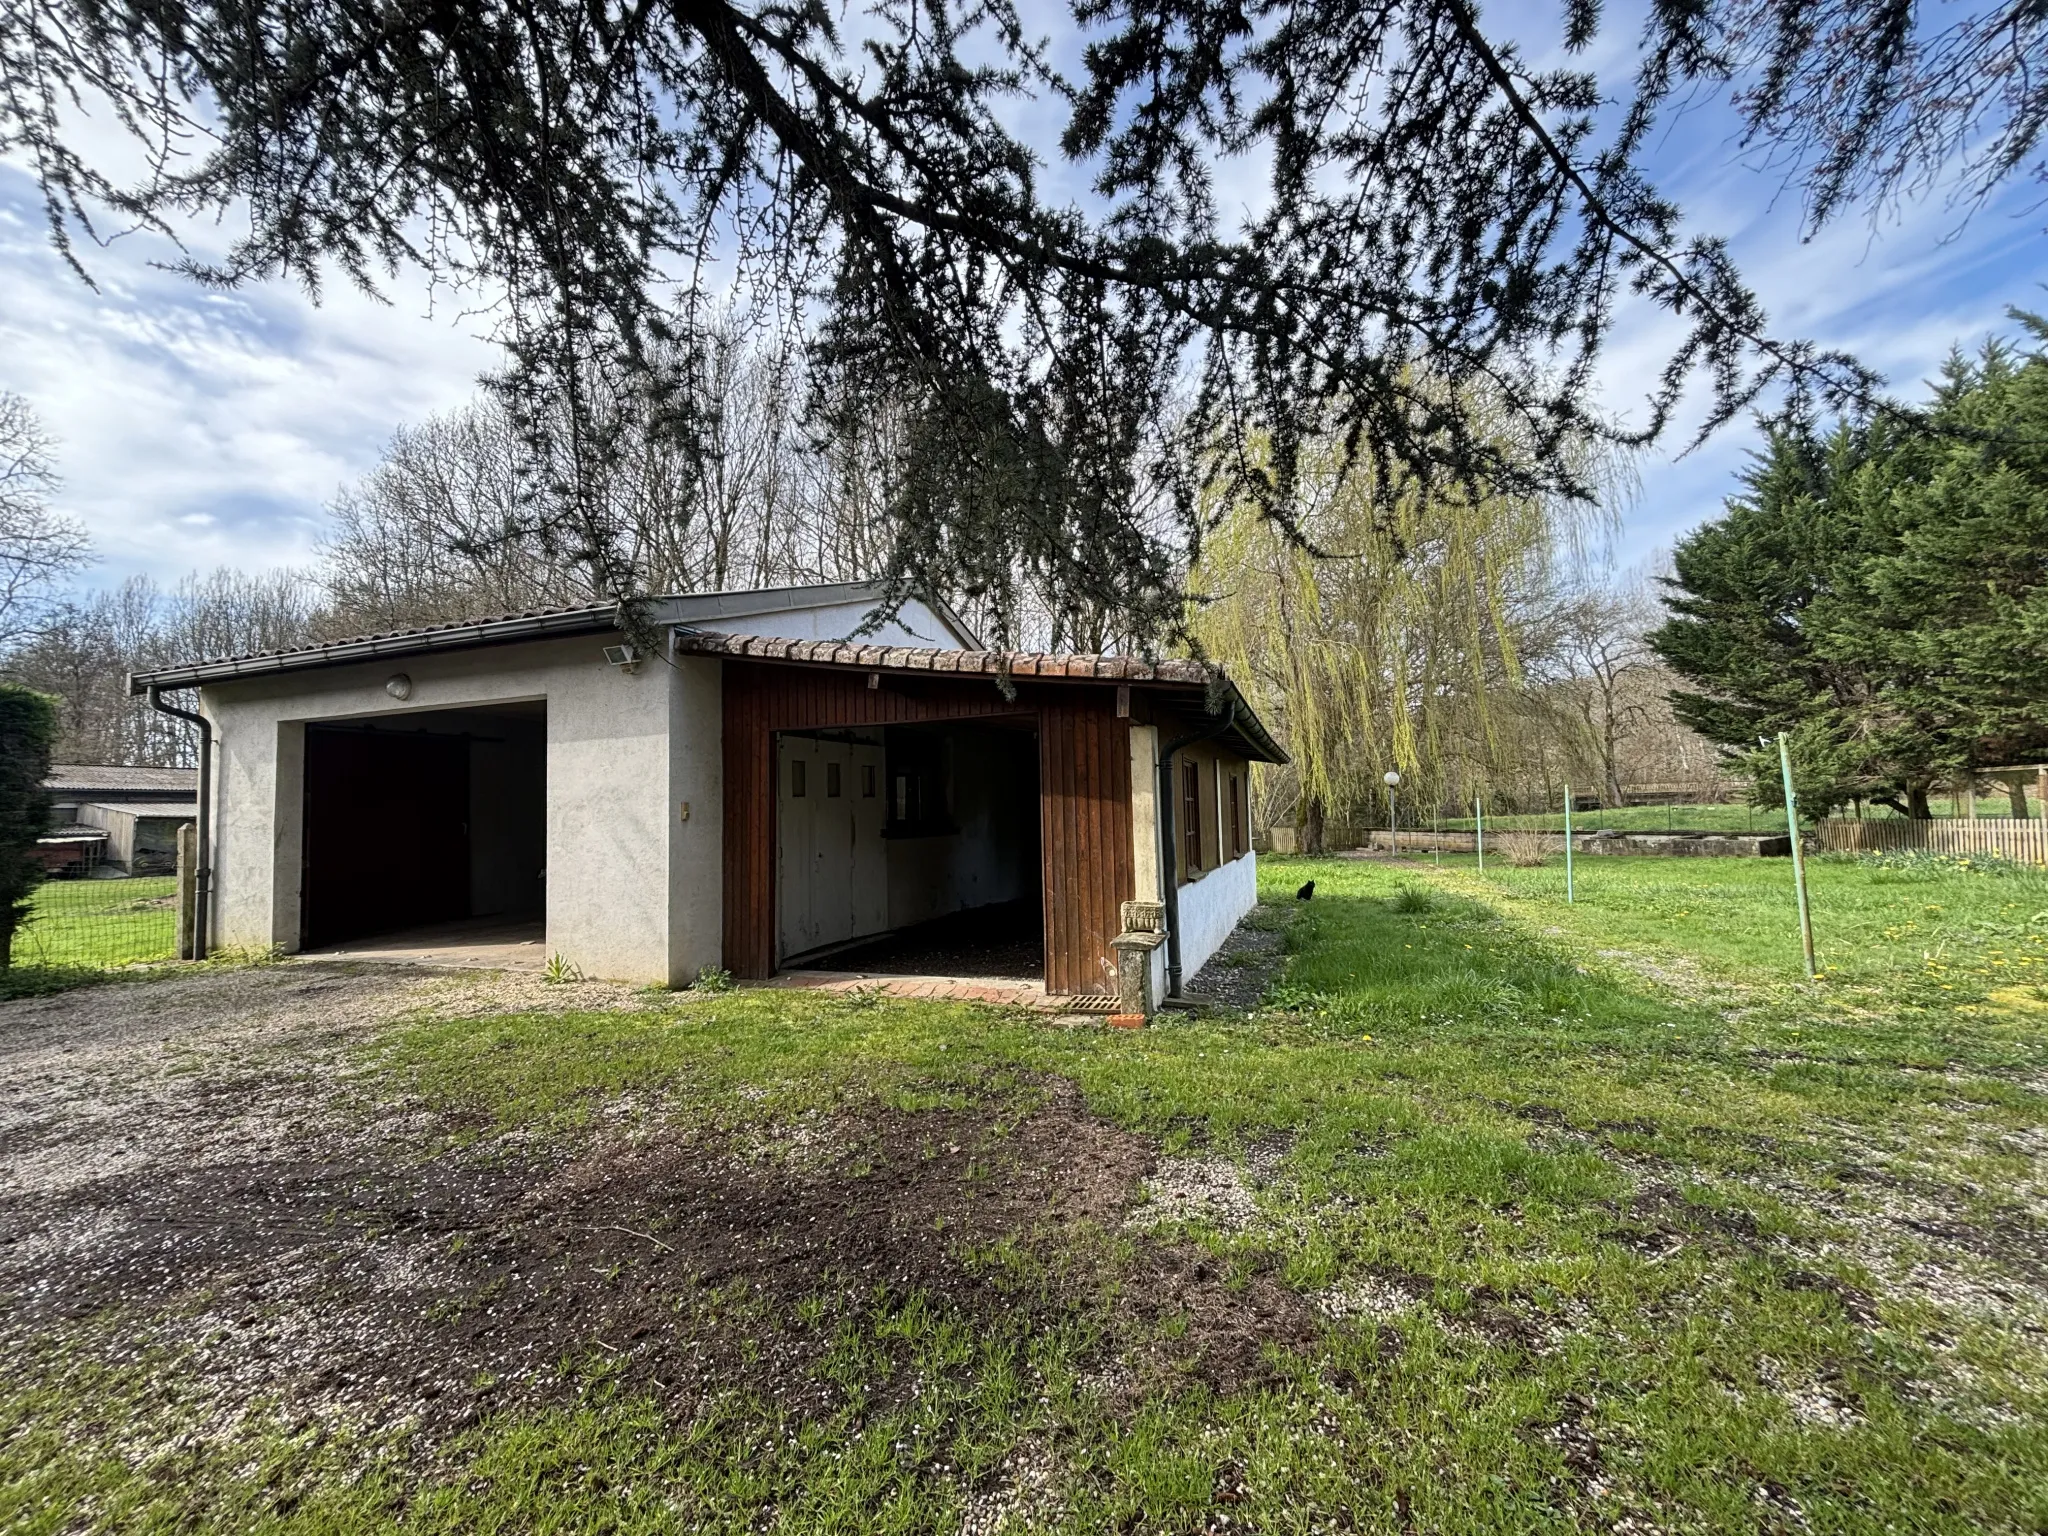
[[116, 818], [141, 836]]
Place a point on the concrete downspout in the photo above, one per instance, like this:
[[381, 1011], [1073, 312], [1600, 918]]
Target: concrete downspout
[[202, 876], [1169, 875]]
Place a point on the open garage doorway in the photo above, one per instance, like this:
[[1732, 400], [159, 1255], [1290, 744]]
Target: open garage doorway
[[431, 826], [910, 850]]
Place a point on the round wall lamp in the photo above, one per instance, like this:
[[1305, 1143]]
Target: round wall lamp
[[399, 686]]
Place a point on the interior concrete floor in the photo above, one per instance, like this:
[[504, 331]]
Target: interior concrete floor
[[493, 943], [1003, 940]]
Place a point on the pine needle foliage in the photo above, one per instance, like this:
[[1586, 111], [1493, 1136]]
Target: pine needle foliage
[[28, 724], [1437, 205], [1880, 595]]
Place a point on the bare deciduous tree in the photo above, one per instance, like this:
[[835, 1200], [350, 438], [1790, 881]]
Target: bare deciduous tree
[[448, 524], [86, 646], [38, 547], [1600, 642]]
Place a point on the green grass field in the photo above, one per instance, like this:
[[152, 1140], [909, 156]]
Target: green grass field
[[96, 924], [1605, 1216]]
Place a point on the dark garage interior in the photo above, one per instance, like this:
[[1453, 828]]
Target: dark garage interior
[[431, 819], [961, 855]]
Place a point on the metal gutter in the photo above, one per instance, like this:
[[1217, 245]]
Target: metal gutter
[[455, 637], [202, 841]]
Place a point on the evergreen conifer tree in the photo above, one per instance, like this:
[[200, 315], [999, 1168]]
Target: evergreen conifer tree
[[28, 724], [1883, 595]]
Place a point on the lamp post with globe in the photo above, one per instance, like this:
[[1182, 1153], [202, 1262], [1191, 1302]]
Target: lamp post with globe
[[1392, 781]]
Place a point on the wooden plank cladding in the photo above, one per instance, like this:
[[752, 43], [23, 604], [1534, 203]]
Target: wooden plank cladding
[[1084, 793], [1084, 798]]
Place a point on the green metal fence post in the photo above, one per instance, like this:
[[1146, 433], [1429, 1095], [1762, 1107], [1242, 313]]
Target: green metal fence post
[[1568, 845]]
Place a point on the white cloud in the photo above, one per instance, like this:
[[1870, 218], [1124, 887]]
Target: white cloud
[[199, 428]]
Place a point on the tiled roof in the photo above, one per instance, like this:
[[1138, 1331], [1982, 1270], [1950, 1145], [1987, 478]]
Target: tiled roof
[[107, 780], [905, 658], [1020, 665]]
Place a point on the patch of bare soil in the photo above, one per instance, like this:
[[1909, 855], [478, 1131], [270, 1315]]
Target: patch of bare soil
[[188, 1187]]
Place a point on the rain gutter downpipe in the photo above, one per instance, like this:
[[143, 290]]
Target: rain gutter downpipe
[[1169, 878], [202, 849]]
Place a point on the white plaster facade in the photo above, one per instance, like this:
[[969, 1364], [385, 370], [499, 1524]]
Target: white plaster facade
[[624, 752], [1211, 906], [633, 881]]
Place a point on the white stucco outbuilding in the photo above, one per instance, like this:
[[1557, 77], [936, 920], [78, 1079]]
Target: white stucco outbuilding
[[767, 790]]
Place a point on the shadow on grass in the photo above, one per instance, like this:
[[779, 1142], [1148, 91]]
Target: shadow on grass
[[42, 980]]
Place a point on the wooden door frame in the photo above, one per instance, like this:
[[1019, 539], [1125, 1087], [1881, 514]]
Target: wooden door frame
[[1083, 737]]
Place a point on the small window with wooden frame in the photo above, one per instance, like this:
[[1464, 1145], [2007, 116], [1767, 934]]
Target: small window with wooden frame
[[1191, 816], [1237, 816]]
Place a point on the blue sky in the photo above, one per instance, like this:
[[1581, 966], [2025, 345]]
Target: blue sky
[[198, 428]]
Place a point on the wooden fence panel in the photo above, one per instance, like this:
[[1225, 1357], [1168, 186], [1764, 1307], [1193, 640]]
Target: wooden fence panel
[[2023, 841]]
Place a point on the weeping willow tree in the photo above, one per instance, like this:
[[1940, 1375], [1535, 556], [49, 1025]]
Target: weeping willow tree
[[1385, 632]]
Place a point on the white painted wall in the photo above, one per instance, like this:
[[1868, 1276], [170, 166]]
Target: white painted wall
[[696, 846], [917, 624], [1211, 906], [633, 890]]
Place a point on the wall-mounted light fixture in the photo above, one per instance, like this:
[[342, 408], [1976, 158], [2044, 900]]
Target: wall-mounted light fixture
[[399, 686], [624, 657]]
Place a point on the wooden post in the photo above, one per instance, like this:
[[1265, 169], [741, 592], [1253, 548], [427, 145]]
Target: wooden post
[[1798, 860], [1968, 791], [188, 886], [2041, 789]]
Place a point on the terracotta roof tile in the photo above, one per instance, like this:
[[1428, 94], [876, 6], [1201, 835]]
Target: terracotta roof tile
[[1170, 671]]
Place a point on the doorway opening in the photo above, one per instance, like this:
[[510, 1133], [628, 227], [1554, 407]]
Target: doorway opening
[[427, 824], [910, 850]]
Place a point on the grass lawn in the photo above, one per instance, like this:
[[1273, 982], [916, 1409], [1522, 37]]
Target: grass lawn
[[1502, 1216], [99, 923]]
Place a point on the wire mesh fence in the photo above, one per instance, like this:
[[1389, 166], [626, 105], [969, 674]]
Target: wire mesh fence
[[98, 923]]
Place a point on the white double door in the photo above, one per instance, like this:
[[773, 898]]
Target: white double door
[[832, 873]]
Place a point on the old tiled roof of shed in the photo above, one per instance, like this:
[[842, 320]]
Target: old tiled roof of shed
[[1171, 672], [103, 781]]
